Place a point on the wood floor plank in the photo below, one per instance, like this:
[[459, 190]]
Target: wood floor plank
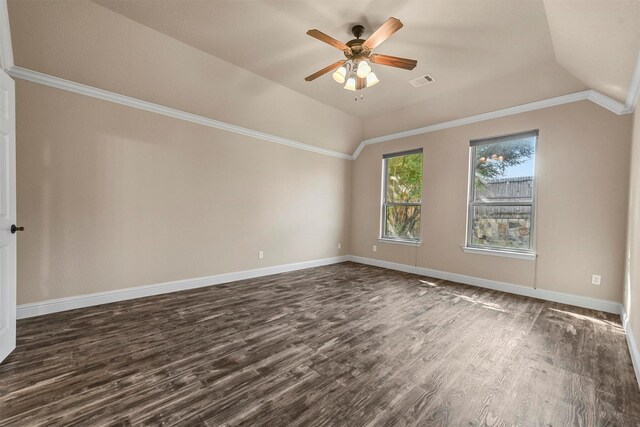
[[345, 344]]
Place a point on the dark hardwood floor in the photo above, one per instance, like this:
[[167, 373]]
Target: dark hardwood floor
[[346, 344]]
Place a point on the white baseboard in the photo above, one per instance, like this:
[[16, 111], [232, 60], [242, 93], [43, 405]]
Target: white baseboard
[[631, 343], [70, 303], [570, 299]]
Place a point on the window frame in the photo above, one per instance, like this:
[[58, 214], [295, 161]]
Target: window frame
[[472, 203], [384, 204]]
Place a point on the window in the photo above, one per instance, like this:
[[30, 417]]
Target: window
[[402, 196], [501, 193]]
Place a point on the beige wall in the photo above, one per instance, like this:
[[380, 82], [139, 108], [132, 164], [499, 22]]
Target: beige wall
[[582, 170], [632, 271], [81, 41], [113, 197]]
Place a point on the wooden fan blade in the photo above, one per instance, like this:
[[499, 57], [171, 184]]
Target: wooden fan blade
[[361, 83], [325, 70], [384, 32], [327, 39], [393, 61]]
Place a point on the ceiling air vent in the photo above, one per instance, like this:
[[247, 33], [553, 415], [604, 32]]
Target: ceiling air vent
[[421, 81]]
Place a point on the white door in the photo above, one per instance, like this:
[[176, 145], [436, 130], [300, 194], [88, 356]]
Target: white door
[[7, 216]]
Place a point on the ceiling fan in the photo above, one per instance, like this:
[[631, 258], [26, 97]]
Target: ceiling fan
[[355, 70]]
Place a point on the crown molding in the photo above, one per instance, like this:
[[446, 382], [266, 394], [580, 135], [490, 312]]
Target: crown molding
[[608, 103], [596, 97], [105, 95], [6, 50], [71, 86], [7, 64], [359, 149], [588, 95], [633, 92], [537, 105]]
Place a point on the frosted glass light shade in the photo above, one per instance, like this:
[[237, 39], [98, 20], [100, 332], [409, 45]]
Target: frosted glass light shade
[[340, 74], [363, 69], [351, 84], [372, 79]]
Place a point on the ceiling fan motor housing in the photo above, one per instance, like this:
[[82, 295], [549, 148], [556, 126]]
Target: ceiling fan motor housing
[[356, 51]]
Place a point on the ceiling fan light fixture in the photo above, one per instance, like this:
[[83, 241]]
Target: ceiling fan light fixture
[[372, 79], [363, 69], [355, 71], [351, 84], [340, 74]]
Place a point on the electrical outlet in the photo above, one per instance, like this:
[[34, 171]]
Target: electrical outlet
[[596, 279], [339, 245], [375, 248], [260, 254]]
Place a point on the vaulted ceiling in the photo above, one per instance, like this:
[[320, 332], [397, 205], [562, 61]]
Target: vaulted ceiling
[[597, 41], [477, 48]]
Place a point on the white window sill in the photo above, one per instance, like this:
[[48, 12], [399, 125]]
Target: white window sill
[[400, 242], [496, 252]]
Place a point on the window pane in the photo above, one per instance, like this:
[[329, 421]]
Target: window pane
[[504, 171], [404, 179], [402, 222], [501, 227]]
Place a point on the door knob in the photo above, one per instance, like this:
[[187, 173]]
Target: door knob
[[14, 229]]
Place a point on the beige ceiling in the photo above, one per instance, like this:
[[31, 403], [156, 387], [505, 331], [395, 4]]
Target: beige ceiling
[[462, 44], [598, 41]]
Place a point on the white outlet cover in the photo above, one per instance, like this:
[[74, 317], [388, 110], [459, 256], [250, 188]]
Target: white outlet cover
[[339, 245], [375, 248], [596, 280], [260, 254]]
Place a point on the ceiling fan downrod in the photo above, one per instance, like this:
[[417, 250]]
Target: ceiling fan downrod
[[355, 70]]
